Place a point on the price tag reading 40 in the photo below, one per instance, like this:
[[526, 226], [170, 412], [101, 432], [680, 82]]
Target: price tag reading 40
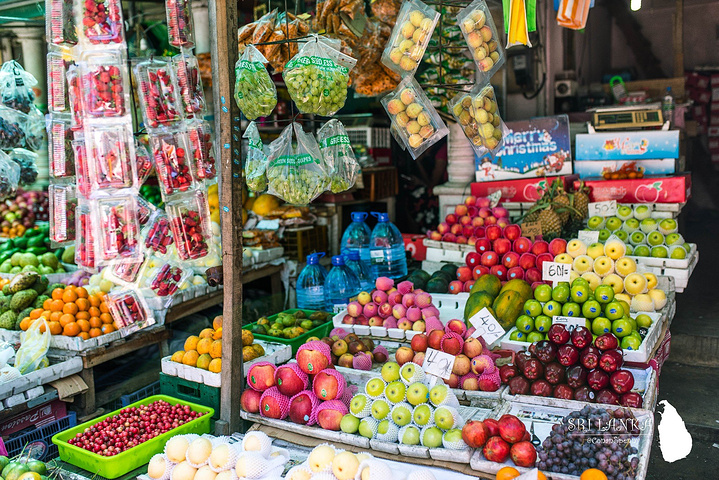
[[556, 272], [603, 209], [438, 363], [570, 323], [486, 326]]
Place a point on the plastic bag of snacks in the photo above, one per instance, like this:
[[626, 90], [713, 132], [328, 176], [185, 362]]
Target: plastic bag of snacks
[[9, 175], [490, 127], [110, 156], [418, 123], [203, 152], [75, 94], [125, 272], [338, 157], [144, 210], [256, 160], [116, 228], [129, 310], [61, 158], [82, 169], [102, 22], [27, 161], [255, 92], [158, 95], [157, 234], [410, 37], [174, 167], [105, 89], [63, 201], [16, 86], [84, 236], [164, 281], [480, 33], [187, 72], [58, 62], [295, 175], [35, 129], [143, 162], [573, 13], [190, 224], [12, 128], [317, 78], [60, 26], [179, 23]]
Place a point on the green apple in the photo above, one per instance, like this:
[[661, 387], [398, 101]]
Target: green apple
[[604, 293], [518, 336], [660, 251], [687, 247], [383, 427], [543, 293], [552, 308], [641, 212], [613, 223], [409, 435], [422, 414], [390, 372], [624, 212], [630, 342], [542, 323], [604, 234], [655, 238], [614, 311], [630, 249], [560, 293], [641, 251], [395, 392], [601, 325], [402, 414], [644, 320], [375, 387], [349, 424], [630, 225], [632, 322], [580, 281], [621, 328], [532, 307], [533, 337], [431, 437], [444, 417], [637, 238], [674, 239], [677, 252], [524, 323], [591, 309], [359, 403], [368, 427], [571, 309], [668, 225], [579, 292], [439, 394], [648, 225], [595, 223], [453, 436], [380, 409], [621, 235], [417, 393]]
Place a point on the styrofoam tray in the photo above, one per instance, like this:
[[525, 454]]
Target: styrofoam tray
[[51, 277], [261, 255], [274, 353], [446, 251], [64, 367], [158, 303], [659, 210], [669, 262]]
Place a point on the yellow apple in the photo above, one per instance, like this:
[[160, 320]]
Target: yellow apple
[[576, 248], [614, 281], [658, 297], [583, 264], [625, 265], [651, 280], [564, 258], [603, 266], [635, 283], [593, 279], [595, 250]]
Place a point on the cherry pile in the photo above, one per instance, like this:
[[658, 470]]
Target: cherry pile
[[132, 426]]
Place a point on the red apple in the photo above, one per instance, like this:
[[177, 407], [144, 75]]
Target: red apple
[[434, 339], [543, 257], [464, 273], [527, 260], [250, 400], [492, 232], [460, 210], [503, 222], [557, 246], [327, 385], [489, 258], [484, 212], [490, 220], [452, 381], [510, 259], [522, 245], [539, 247], [404, 355], [532, 275], [274, 405], [289, 381], [418, 358], [473, 259], [477, 222], [456, 229], [330, 418], [472, 240], [261, 377], [462, 240], [500, 271], [443, 228], [482, 202], [471, 201], [449, 237], [465, 219], [501, 246], [511, 428], [515, 273], [456, 326], [475, 434], [483, 245], [479, 231], [472, 347], [301, 407], [451, 219], [455, 287], [467, 231], [472, 211], [496, 450], [478, 271], [419, 343], [512, 232], [435, 235], [468, 286], [500, 212]]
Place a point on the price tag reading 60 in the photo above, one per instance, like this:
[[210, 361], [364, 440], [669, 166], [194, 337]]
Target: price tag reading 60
[[556, 272], [438, 363]]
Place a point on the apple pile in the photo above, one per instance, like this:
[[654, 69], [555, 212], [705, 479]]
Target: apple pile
[[469, 220], [603, 311], [472, 369], [403, 307], [309, 392], [400, 407], [573, 366], [606, 264], [351, 351], [500, 440], [646, 236]]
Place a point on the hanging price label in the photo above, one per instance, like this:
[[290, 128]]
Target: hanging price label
[[438, 363], [570, 322], [588, 236], [556, 272], [531, 229], [494, 198], [603, 209], [486, 326]]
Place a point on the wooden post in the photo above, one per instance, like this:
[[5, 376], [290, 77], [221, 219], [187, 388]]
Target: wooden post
[[223, 46], [679, 39]]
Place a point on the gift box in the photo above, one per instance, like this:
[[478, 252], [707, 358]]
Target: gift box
[[632, 145], [696, 80], [649, 189], [700, 95], [521, 189], [596, 168]]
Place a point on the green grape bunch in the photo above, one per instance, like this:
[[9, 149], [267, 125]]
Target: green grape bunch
[[317, 85], [297, 179], [255, 92]]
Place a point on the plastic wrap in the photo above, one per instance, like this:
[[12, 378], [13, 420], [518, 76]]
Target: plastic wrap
[[480, 33], [16, 86], [256, 160], [410, 37], [175, 170], [110, 156], [337, 154], [125, 272], [295, 174], [27, 161], [517, 25], [82, 169], [159, 101], [102, 22], [128, 308], [105, 85], [490, 128], [61, 158], [255, 92], [143, 162], [179, 23], [144, 211], [34, 344], [117, 228], [189, 82], [203, 151], [158, 234], [12, 128], [60, 24], [63, 202], [58, 100], [190, 224], [84, 236], [35, 129], [75, 96], [9, 176], [165, 280]]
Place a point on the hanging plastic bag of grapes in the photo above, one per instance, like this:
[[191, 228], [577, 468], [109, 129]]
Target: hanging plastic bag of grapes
[[35, 129], [295, 173], [256, 163], [317, 77], [16, 86], [9, 176], [339, 159], [255, 92], [12, 128], [27, 161]]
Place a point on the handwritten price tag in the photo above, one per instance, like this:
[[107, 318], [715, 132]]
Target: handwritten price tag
[[531, 229], [556, 272], [486, 326], [588, 236], [438, 363], [603, 209], [494, 198], [570, 322]]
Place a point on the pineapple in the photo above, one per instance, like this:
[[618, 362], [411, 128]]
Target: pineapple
[[581, 203], [561, 204], [531, 217], [551, 223]]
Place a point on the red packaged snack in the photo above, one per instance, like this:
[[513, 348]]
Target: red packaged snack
[[190, 224], [158, 95], [159, 235], [127, 308], [110, 155], [179, 23], [173, 164], [60, 26], [58, 99], [85, 236], [117, 228], [82, 170], [187, 72], [63, 202], [102, 22], [61, 155], [105, 85], [203, 152]]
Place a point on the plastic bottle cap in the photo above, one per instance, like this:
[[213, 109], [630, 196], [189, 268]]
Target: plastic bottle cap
[[353, 255], [381, 217], [359, 216], [314, 258], [338, 260]]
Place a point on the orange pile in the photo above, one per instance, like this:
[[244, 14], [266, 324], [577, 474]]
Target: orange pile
[[72, 312]]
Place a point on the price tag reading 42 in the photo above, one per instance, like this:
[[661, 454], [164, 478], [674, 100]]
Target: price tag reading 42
[[556, 272], [570, 323], [438, 363], [486, 326], [603, 209]]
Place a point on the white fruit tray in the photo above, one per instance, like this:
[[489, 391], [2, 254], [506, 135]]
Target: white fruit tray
[[274, 353], [645, 384], [446, 251], [161, 303], [659, 210], [442, 454], [679, 275], [264, 255], [449, 306], [638, 356], [60, 367], [669, 262], [544, 417]]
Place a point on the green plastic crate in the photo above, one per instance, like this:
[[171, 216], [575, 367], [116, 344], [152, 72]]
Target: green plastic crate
[[190, 391], [319, 332], [118, 465]]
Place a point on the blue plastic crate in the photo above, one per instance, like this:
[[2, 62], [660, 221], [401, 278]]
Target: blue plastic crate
[[38, 443], [144, 392]]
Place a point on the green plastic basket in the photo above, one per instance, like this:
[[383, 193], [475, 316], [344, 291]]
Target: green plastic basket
[[118, 465], [319, 332]]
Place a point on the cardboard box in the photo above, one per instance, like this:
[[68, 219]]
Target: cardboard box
[[649, 189], [36, 416], [630, 145], [713, 144], [415, 244], [700, 95], [714, 106], [714, 82], [519, 190], [696, 80], [713, 131], [536, 147], [596, 168]]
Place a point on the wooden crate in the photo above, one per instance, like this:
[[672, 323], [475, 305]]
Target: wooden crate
[[300, 242], [379, 183]]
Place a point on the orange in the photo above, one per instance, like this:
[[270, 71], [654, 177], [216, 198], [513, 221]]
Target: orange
[[84, 335], [216, 349], [104, 308], [106, 318], [47, 303], [94, 300], [593, 474], [81, 292], [191, 343], [46, 314], [95, 332], [108, 328], [177, 356], [25, 323], [206, 333], [55, 316], [70, 308], [72, 329], [94, 311], [215, 365], [69, 295], [56, 306], [37, 313], [84, 325], [83, 304], [507, 473], [95, 322], [82, 316], [57, 294], [43, 327], [66, 318], [541, 476], [55, 328]]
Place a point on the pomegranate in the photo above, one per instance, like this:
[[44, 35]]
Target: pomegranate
[[493, 427], [475, 434], [496, 450], [523, 454], [511, 428]]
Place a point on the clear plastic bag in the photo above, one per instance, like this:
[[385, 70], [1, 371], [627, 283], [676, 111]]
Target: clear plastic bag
[[481, 36], [158, 95], [295, 174], [75, 96], [463, 111], [117, 228], [125, 272], [111, 156], [179, 23], [158, 234], [203, 151], [102, 22], [12, 128], [16, 86], [35, 129], [255, 92], [61, 158], [84, 236], [143, 162], [63, 202], [410, 37], [189, 81], [190, 224], [144, 211], [9, 176], [174, 167], [317, 78], [417, 123], [256, 161], [337, 154], [105, 84], [27, 161], [128, 309], [58, 62], [34, 344], [82, 169], [490, 128], [60, 24], [165, 280]]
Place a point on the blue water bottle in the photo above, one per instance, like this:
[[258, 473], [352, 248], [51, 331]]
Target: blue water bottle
[[361, 269], [311, 284], [388, 256], [356, 237], [341, 284]]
